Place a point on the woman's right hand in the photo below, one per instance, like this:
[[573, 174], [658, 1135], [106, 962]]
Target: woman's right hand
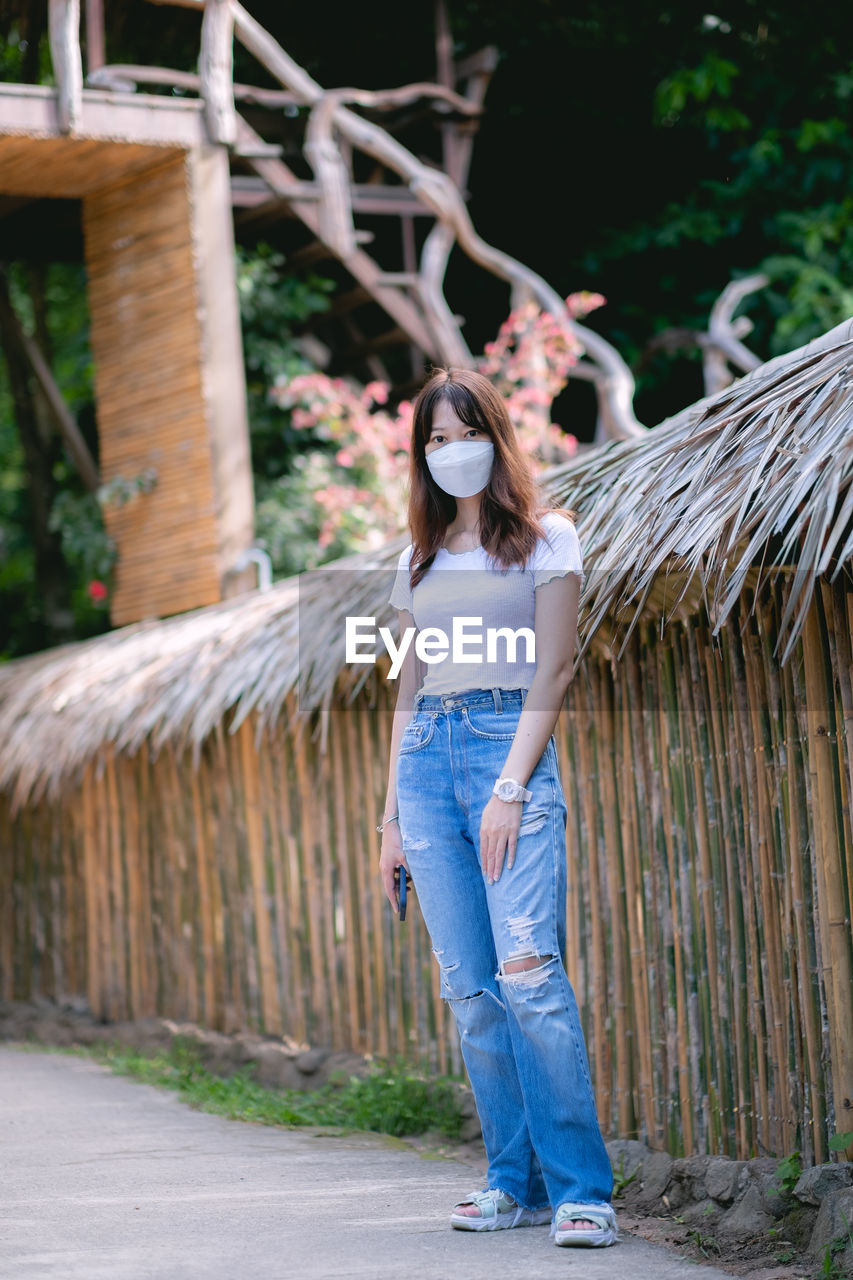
[[390, 858]]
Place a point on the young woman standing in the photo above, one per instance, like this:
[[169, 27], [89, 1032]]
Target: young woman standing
[[475, 809]]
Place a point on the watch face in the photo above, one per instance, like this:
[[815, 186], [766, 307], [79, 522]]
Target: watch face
[[506, 791]]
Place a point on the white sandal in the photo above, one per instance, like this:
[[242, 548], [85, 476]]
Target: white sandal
[[604, 1234], [498, 1211]]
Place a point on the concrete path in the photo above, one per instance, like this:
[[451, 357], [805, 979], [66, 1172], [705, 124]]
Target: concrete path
[[101, 1176]]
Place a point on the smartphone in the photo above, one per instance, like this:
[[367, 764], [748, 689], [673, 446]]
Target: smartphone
[[401, 878]]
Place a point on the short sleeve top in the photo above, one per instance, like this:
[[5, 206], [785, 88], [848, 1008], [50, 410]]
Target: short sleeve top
[[470, 585]]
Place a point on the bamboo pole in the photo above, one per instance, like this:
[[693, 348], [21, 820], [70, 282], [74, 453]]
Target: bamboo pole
[[755, 1039], [705, 775], [699, 742], [645, 696], [330, 878], [360, 891], [377, 963], [789, 1083], [90, 882], [204, 899], [227, 846], [630, 781], [615, 880], [270, 1007], [596, 992], [720, 701], [833, 915], [315, 895], [113, 853], [685, 803], [73, 972], [342, 786], [770, 913], [837, 599], [797, 840], [574, 966], [269, 763], [7, 913], [680, 1049], [127, 804]]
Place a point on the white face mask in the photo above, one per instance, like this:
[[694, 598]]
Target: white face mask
[[463, 467]]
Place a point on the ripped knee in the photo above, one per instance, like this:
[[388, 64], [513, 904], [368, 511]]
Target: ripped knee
[[459, 991], [522, 964], [529, 970]]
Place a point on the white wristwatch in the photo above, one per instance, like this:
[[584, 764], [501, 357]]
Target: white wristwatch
[[509, 789]]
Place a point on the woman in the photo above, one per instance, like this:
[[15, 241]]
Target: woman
[[475, 809]]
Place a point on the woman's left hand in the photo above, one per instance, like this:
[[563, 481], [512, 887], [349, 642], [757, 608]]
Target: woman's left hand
[[499, 836]]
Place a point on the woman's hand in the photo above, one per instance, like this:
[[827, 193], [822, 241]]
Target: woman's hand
[[390, 859], [499, 836]]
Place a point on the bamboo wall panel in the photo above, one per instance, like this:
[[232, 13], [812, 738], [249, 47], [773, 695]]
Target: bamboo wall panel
[[169, 383], [709, 874]]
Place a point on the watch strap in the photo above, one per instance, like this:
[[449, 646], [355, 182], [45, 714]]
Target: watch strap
[[523, 793]]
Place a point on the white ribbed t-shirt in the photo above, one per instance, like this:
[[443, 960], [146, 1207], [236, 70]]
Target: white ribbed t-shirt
[[470, 585]]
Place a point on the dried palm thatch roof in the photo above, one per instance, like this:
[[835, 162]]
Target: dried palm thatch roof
[[666, 522]]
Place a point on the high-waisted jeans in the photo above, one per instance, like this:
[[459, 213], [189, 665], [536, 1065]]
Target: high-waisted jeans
[[521, 1038]]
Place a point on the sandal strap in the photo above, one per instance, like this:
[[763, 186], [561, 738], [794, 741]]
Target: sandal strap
[[487, 1202], [602, 1214]]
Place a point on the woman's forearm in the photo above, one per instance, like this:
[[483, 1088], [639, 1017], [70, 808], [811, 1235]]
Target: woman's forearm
[[402, 716], [407, 686], [536, 723]]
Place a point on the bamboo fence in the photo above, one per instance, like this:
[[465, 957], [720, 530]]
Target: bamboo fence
[[710, 877]]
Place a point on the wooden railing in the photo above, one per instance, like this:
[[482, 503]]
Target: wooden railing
[[413, 297]]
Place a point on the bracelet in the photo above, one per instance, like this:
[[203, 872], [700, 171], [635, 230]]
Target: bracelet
[[385, 821]]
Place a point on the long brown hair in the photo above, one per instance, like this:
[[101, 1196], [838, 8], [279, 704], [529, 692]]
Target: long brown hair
[[509, 507]]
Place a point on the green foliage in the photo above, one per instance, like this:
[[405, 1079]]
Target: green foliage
[[392, 1099], [788, 1172], [13, 58], [88, 549], [621, 1180], [74, 514], [706, 1245], [841, 1141], [710, 84], [833, 1267], [748, 151], [273, 304]]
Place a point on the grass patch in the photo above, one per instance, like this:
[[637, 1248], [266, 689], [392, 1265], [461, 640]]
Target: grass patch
[[392, 1099]]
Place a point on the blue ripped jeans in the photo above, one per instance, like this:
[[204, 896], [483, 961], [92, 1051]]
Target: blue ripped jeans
[[521, 1037]]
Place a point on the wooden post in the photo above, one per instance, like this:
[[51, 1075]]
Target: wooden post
[[95, 42], [216, 70], [64, 33]]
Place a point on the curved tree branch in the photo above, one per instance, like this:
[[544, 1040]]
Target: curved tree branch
[[722, 331], [441, 196]]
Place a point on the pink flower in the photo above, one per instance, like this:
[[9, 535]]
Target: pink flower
[[97, 591], [377, 392]]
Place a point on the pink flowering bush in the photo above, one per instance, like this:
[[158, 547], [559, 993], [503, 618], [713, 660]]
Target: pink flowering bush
[[529, 363], [359, 486], [348, 491]]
